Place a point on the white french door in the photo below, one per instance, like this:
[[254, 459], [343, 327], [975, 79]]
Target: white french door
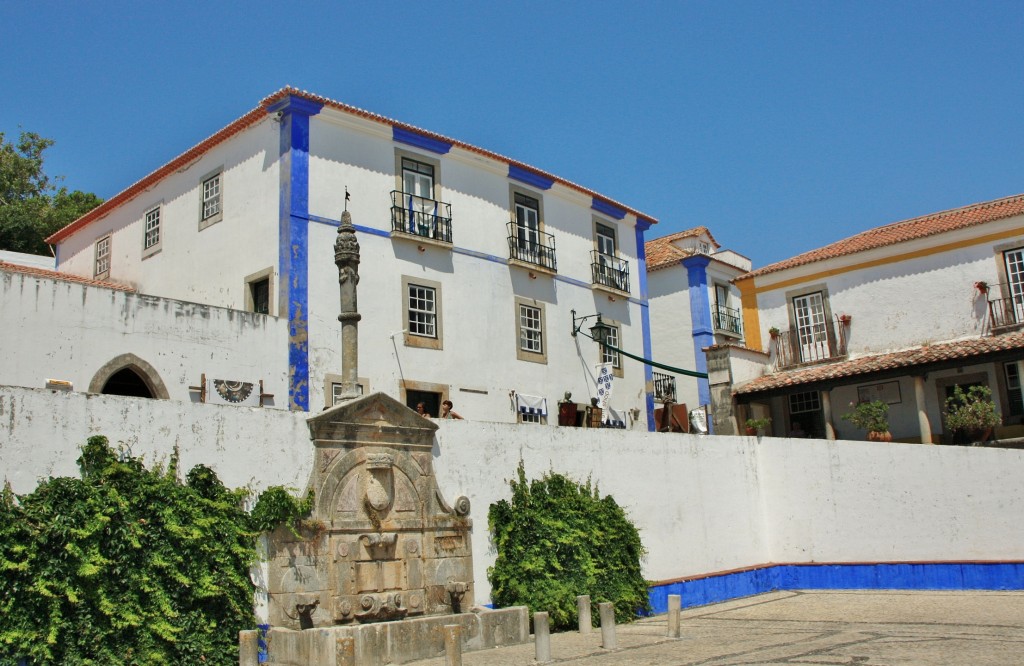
[[811, 331]]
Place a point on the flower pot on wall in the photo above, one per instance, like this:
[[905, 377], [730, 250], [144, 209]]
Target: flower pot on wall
[[874, 436]]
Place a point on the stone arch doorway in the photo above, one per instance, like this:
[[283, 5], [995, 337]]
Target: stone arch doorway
[[129, 375]]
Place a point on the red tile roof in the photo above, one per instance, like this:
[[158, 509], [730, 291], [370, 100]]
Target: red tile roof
[[898, 232], [946, 351], [661, 252], [65, 277], [258, 114]]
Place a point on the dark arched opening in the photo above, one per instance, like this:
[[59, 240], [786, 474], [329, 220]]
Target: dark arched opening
[[127, 382]]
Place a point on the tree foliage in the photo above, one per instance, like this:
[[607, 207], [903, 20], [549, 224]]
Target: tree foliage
[[557, 539], [129, 565], [32, 205]]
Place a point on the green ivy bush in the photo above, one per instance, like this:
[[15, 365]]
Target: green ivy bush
[[557, 539], [129, 565]]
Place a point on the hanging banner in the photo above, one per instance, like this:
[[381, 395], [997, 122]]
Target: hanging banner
[[605, 375]]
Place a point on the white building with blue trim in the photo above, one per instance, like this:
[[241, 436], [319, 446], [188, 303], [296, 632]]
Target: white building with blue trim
[[472, 263]]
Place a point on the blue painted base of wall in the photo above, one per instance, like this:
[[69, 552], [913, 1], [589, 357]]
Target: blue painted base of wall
[[878, 576]]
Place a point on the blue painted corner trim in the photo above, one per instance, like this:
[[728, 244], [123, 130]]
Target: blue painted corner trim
[[411, 138], [645, 319], [293, 104], [643, 224], [529, 177], [858, 576], [607, 208]]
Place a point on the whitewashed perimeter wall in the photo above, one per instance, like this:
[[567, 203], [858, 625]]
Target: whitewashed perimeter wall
[[64, 330], [702, 505]]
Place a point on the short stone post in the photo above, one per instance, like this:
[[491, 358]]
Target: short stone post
[[248, 647], [452, 645], [345, 651], [674, 603], [607, 611], [541, 637], [583, 610]]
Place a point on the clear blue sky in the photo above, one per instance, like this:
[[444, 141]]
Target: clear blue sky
[[781, 126]]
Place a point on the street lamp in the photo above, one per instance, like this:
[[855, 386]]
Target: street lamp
[[598, 332]]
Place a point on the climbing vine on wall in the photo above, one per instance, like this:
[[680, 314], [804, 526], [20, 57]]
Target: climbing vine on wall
[[557, 539], [128, 565]]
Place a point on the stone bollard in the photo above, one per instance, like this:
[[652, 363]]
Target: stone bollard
[[607, 611], [674, 602], [452, 645], [541, 638], [583, 610], [248, 648], [345, 651]]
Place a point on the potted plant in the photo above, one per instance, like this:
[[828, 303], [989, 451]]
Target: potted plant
[[758, 426], [773, 331], [981, 286], [871, 416], [845, 319], [971, 415]]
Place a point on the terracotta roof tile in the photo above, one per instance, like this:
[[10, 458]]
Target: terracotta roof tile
[[899, 232], [258, 114], [65, 277], [661, 252], [946, 351]]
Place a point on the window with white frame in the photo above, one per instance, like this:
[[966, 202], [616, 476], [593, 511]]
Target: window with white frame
[[609, 355], [530, 331], [531, 335], [525, 417], [421, 313], [102, 265], [151, 237], [212, 200]]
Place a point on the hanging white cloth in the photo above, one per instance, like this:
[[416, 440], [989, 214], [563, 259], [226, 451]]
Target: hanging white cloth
[[531, 404], [614, 419], [605, 375]]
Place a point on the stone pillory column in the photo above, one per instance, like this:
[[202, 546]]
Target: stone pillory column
[[346, 256]]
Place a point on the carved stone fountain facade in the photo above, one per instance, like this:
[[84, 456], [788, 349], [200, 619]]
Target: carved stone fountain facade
[[382, 543], [384, 562]]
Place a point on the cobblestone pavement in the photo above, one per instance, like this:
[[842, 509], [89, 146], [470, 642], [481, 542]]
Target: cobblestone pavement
[[870, 628]]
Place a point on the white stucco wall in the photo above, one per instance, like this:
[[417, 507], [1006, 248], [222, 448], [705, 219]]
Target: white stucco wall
[[926, 296], [205, 266], [55, 329], [702, 504]]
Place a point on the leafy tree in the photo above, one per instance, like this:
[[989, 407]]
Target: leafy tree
[[128, 565], [31, 205], [557, 539]]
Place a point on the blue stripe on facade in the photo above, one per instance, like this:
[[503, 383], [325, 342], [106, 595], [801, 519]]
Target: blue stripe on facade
[[870, 576], [607, 208], [643, 225], [529, 177], [700, 320], [293, 240], [420, 141]]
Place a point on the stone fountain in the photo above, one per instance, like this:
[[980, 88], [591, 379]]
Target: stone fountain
[[384, 562]]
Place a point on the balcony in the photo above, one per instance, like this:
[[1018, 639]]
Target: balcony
[[727, 320], [609, 271], [1005, 313], [664, 387], [812, 344], [531, 248], [423, 218]]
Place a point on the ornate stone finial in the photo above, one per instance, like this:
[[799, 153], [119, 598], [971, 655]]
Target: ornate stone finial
[[346, 257]]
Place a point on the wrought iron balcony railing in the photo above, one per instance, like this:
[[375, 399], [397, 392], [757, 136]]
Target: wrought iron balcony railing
[[727, 319], [417, 216], [1006, 312], [813, 344], [664, 387], [532, 247], [609, 271]]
